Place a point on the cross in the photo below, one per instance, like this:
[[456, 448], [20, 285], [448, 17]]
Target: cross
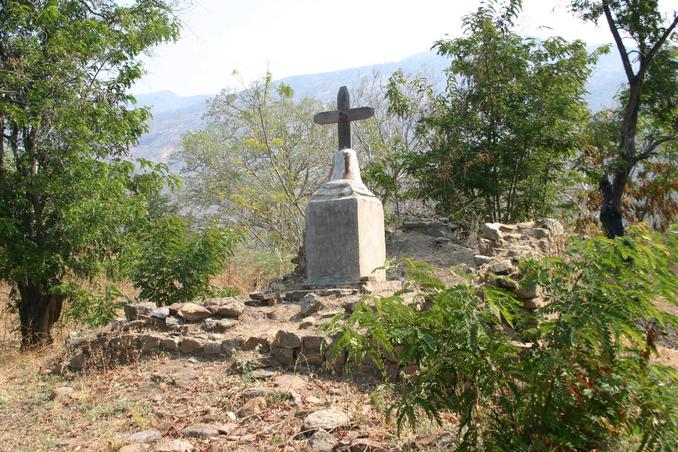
[[343, 116]]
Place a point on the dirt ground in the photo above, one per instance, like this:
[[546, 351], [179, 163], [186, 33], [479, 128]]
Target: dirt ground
[[37, 413]]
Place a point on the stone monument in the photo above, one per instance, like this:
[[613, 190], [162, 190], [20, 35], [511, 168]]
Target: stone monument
[[344, 237]]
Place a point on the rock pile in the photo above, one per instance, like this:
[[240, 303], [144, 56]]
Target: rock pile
[[278, 330], [501, 246]]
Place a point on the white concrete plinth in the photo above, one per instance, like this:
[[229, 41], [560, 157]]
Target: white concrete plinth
[[344, 237]]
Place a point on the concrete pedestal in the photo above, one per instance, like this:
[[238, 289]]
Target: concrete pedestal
[[344, 228]]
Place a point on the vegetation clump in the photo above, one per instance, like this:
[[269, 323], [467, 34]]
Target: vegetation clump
[[576, 374]]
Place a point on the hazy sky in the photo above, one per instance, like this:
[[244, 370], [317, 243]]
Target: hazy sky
[[291, 37]]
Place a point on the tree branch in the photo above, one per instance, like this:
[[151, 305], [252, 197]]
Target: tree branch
[[660, 42], [628, 69], [650, 148]]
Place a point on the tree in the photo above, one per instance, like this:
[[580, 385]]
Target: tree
[[650, 67], [258, 162], [501, 134], [67, 196], [389, 138]]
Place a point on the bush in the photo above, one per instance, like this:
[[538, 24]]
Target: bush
[[574, 375], [177, 263]]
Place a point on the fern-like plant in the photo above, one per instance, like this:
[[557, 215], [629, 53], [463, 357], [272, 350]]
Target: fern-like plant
[[577, 374]]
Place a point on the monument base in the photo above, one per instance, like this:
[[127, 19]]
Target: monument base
[[344, 238]]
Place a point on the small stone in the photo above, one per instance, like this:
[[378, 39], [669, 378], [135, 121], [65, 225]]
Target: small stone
[[63, 392], [191, 345], [175, 446], [329, 419], [77, 361], [264, 296], [501, 267], [286, 339], [257, 343], [193, 312], [322, 441], [143, 437], [227, 307], [310, 304], [253, 406], [201, 431], [365, 445], [491, 231], [135, 310], [174, 308], [262, 374], [231, 415], [149, 342], [284, 356], [445, 440], [213, 348], [160, 313], [308, 322], [313, 400], [479, 259], [169, 344], [218, 325], [290, 382], [133, 448]]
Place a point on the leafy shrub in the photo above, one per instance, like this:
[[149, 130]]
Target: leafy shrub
[[575, 374], [93, 307], [177, 263]]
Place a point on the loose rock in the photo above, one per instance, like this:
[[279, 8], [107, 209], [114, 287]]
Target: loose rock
[[201, 431], [143, 437], [193, 312], [175, 446], [135, 310], [322, 441], [329, 419]]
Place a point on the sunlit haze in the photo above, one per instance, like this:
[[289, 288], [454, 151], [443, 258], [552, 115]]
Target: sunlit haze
[[291, 37]]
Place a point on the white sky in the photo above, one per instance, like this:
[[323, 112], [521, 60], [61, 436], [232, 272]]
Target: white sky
[[291, 37]]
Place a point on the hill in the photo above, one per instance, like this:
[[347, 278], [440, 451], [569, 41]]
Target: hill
[[174, 115]]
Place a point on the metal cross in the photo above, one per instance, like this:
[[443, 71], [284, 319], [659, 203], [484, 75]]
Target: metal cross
[[343, 116]]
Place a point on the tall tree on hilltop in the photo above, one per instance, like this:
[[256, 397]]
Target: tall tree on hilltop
[[650, 67], [66, 196], [500, 136]]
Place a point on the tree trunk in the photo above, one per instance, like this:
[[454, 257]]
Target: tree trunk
[[38, 312], [611, 209]]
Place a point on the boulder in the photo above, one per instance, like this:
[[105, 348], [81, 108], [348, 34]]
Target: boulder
[[192, 312]]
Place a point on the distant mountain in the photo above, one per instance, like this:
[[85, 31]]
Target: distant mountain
[[174, 115]]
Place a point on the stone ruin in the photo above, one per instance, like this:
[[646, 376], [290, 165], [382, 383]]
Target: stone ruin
[[282, 328]]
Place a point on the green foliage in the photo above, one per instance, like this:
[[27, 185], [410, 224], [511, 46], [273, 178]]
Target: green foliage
[[258, 161], [388, 139], [573, 375], [176, 264], [67, 198], [501, 134], [92, 306]]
